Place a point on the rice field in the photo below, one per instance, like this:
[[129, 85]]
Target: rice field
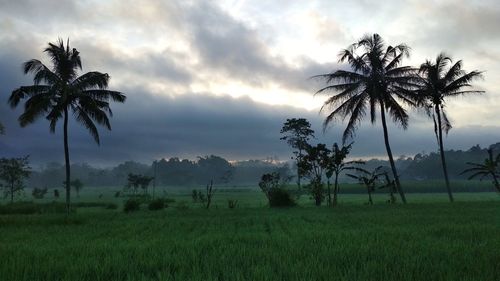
[[428, 239]]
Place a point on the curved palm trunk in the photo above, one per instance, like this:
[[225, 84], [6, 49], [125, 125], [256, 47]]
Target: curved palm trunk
[[389, 153], [66, 159], [441, 150]]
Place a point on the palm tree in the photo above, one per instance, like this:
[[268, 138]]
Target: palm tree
[[490, 167], [376, 79], [438, 81], [58, 91]]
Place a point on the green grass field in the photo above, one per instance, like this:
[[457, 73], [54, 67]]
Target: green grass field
[[428, 239]]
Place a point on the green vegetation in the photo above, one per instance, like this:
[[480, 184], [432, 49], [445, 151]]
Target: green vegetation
[[425, 241]]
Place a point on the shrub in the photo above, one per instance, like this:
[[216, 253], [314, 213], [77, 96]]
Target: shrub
[[131, 205], [118, 194], [280, 197], [96, 204], [231, 203], [272, 186], [157, 204]]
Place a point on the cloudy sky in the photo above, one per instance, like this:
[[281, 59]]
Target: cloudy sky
[[221, 77]]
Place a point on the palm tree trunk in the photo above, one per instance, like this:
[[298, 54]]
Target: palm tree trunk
[[370, 201], [495, 181], [298, 171], [389, 153], [335, 189], [329, 192], [441, 150], [66, 159]]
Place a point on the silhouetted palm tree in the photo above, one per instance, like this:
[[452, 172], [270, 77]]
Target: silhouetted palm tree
[[438, 82], [490, 167], [58, 91], [376, 80]]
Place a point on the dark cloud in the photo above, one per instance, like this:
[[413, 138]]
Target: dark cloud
[[149, 127]]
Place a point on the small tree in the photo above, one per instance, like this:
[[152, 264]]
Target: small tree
[[391, 186], [144, 182], [77, 185], [13, 172], [312, 166], [210, 192], [136, 181], [39, 193], [194, 195], [490, 167], [369, 180], [297, 133], [335, 165]]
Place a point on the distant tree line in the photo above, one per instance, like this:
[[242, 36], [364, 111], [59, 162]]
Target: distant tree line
[[177, 172], [169, 172]]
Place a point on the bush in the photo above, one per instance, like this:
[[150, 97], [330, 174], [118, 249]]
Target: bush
[[95, 205], [131, 205], [280, 197], [157, 204]]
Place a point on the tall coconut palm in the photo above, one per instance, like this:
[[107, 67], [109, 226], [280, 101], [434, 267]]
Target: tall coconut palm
[[440, 80], [57, 91], [375, 80]]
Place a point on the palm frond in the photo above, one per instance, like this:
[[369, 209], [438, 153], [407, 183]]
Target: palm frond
[[463, 81], [83, 118], [105, 95], [26, 92], [91, 80]]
